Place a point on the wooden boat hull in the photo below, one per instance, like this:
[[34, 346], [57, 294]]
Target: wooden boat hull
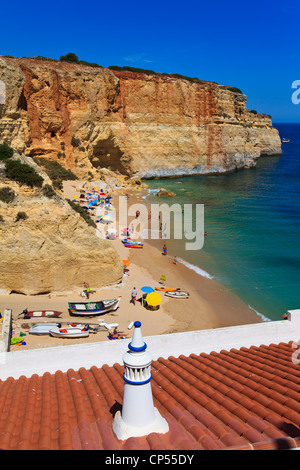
[[41, 313], [177, 294], [93, 308]]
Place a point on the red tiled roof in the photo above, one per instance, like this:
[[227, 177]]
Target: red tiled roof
[[237, 399]]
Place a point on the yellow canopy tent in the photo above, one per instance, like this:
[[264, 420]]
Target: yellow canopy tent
[[153, 299]]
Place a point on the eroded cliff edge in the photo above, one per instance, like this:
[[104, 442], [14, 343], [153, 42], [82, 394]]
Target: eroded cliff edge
[[132, 123]]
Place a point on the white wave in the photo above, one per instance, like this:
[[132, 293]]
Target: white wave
[[153, 191], [259, 314], [198, 270]]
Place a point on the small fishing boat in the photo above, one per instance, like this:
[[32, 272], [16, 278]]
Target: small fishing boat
[[43, 328], [40, 313], [285, 140], [93, 308], [128, 241], [127, 245], [167, 289], [70, 332], [179, 294]]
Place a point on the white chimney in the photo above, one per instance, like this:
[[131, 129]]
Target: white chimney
[[139, 417]]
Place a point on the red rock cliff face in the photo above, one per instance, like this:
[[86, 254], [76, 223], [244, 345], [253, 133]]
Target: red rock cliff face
[[133, 123]]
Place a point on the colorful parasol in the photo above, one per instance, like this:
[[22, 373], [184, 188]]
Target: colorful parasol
[[147, 289], [153, 299]]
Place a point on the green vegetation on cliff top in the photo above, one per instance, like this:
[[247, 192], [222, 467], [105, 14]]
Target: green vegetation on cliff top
[[72, 58]]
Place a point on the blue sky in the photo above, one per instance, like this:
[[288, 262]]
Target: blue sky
[[253, 46]]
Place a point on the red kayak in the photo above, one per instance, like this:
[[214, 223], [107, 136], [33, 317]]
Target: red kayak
[[40, 313]]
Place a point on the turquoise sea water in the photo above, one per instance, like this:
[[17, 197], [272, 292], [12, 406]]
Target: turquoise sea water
[[252, 219]]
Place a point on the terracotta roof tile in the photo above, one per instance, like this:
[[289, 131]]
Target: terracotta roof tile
[[239, 399]]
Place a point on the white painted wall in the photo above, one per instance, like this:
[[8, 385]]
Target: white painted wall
[[37, 361], [6, 330]]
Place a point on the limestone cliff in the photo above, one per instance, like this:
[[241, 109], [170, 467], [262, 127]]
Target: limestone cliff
[[134, 123], [53, 249]]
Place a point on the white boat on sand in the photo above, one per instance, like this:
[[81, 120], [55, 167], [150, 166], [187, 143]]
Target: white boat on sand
[[43, 328], [70, 332], [179, 294]]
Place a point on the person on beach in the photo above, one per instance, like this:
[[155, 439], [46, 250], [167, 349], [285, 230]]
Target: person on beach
[[87, 289], [165, 250], [116, 334], [175, 260], [133, 295]]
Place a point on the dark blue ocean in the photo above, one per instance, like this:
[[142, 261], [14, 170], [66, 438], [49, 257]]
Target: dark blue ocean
[[252, 219]]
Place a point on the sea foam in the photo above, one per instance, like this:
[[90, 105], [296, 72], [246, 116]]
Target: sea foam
[[198, 270], [264, 318]]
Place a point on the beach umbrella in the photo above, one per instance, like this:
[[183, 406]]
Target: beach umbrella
[[147, 289], [153, 299], [126, 262], [106, 219]]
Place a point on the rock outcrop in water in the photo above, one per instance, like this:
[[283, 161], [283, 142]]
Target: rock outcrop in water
[[132, 123]]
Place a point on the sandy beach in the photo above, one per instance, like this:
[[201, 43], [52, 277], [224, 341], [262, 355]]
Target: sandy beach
[[210, 304]]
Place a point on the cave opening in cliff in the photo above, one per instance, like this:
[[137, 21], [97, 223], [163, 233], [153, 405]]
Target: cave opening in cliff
[[22, 103], [106, 154]]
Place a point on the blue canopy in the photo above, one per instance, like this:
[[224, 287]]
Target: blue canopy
[[147, 289]]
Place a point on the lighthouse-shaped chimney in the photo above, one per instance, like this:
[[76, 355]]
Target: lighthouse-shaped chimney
[[139, 417]]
